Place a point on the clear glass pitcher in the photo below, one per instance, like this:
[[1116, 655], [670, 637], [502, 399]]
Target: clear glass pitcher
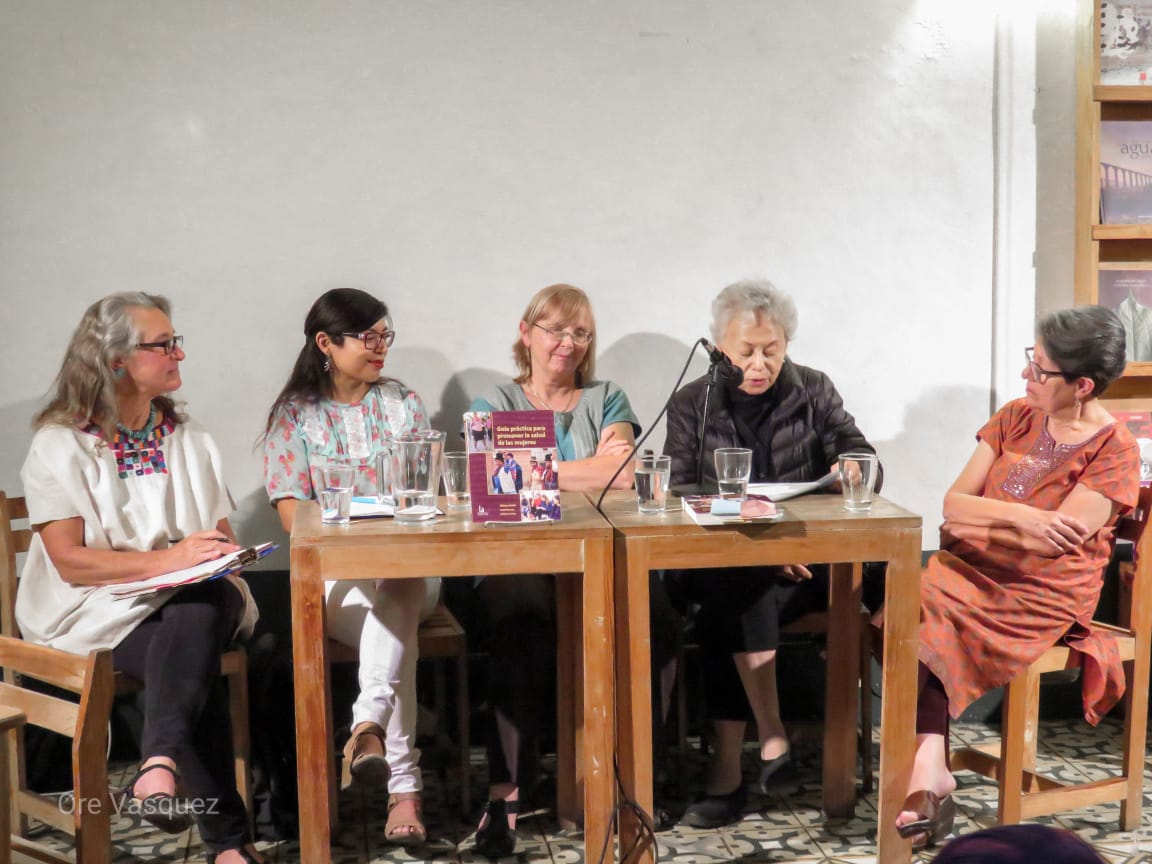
[[415, 474]]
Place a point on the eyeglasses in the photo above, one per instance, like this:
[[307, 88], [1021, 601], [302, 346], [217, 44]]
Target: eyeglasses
[[1040, 376], [373, 339], [578, 337], [166, 346]]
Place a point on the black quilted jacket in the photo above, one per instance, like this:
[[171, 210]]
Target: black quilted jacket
[[807, 430]]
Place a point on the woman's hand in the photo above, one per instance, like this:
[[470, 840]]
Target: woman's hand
[[612, 443], [1060, 531], [200, 547], [795, 572]]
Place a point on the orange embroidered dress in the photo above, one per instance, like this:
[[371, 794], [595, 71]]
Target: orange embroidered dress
[[988, 611]]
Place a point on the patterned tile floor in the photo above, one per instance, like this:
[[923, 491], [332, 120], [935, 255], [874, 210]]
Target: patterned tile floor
[[785, 826]]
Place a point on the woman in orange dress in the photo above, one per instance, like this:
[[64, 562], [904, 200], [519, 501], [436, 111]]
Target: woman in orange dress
[[1027, 533]]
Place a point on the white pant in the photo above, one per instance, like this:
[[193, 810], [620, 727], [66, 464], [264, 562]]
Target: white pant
[[380, 618]]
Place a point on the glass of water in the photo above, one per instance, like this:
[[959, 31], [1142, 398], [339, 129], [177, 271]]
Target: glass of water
[[857, 479], [456, 480], [652, 474], [733, 468], [416, 458], [336, 493]]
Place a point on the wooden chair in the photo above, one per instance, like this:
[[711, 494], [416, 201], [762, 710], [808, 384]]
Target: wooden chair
[[91, 679], [1025, 794], [440, 638], [11, 720]]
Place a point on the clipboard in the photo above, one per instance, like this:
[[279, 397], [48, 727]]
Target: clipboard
[[209, 570]]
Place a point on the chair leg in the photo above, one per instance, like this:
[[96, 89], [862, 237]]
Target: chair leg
[[1017, 742], [1135, 740], [462, 734], [241, 738], [866, 708]]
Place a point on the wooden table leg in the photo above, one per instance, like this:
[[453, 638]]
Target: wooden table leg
[[314, 753], [599, 699], [569, 702], [634, 696], [898, 708], [840, 689]]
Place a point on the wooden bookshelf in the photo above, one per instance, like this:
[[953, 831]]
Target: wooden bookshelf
[[1106, 247]]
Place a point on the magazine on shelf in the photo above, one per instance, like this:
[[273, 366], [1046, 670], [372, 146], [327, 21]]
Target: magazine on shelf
[[513, 466], [1139, 423], [209, 570], [1125, 172], [1128, 293], [1126, 42], [714, 510]]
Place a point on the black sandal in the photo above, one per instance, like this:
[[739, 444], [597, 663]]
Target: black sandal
[[159, 809], [716, 811], [498, 839]]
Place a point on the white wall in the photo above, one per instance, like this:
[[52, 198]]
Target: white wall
[[454, 157]]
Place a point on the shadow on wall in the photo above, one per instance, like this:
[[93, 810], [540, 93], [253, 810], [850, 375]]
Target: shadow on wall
[[16, 433], [936, 440], [459, 391], [645, 365]]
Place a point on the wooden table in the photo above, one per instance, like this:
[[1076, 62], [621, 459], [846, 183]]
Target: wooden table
[[579, 548], [815, 529]]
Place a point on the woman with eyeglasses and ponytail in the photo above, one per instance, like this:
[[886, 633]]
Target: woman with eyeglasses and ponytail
[[338, 407]]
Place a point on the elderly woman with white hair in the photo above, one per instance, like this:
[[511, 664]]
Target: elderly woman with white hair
[[794, 422]]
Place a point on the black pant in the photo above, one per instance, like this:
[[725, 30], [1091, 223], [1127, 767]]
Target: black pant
[[514, 618], [175, 652], [742, 610]]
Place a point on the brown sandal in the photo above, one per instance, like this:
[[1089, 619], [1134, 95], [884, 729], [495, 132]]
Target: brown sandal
[[364, 754], [937, 816], [401, 831]]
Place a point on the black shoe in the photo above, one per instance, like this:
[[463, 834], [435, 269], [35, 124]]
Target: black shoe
[[716, 811], [159, 809], [768, 769], [243, 850], [497, 839]]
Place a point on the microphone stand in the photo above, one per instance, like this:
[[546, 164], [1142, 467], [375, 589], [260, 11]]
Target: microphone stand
[[715, 373]]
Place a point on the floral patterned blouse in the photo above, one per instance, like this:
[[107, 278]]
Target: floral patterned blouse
[[306, 436]]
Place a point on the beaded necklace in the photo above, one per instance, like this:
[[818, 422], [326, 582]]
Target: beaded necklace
[[139, 452]]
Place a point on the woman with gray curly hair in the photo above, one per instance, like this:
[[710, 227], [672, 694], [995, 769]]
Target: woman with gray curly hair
[[794, 422], [115, 472]]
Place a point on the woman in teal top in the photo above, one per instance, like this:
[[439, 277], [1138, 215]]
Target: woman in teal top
[[595, 430]]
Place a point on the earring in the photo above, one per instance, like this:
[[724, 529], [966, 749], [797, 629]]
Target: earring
[[327, 363], [119, 372]]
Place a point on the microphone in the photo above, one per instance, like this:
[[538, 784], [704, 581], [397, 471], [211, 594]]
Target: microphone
[[723, 363]]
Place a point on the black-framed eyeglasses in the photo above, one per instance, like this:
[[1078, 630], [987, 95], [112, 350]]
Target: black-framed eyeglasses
[[166, 346], [1040, 376], [579, 337], [373, 339]]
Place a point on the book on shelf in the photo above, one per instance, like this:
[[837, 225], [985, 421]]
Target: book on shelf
[[1139, 423], [209, 570], [714, 510], [1126, 42], [513, 466], [1125, 172], [1129, 294]]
